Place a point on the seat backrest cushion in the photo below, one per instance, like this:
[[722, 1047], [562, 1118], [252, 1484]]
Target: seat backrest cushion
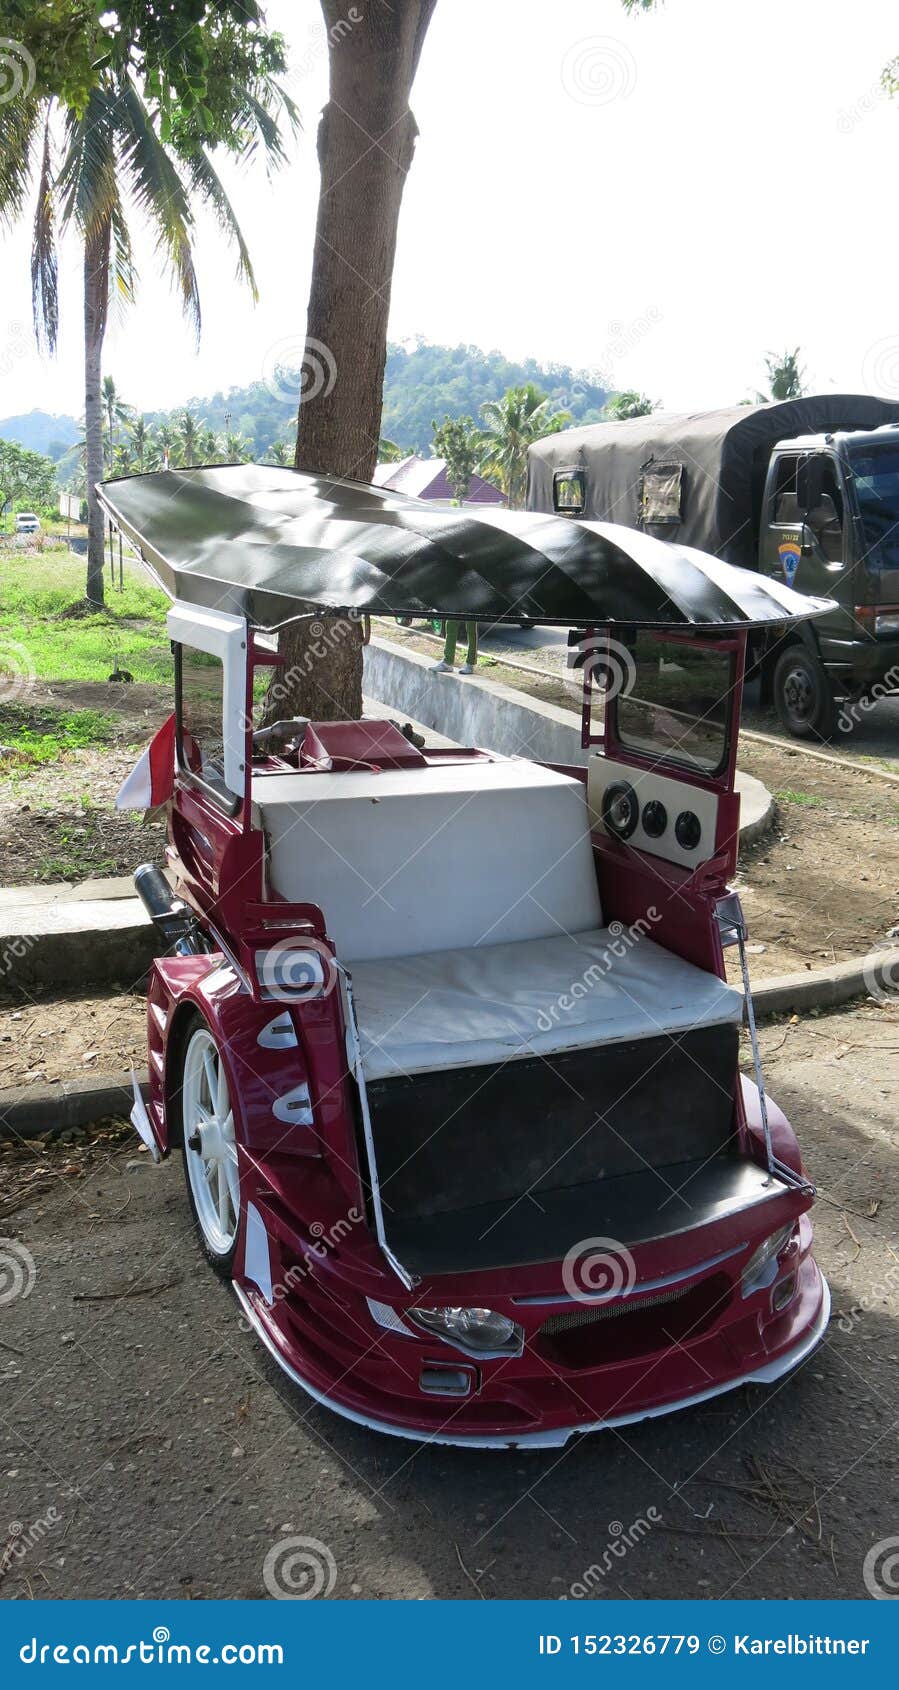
[[412, 860]]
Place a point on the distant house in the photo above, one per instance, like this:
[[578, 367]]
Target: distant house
[[425, 478]]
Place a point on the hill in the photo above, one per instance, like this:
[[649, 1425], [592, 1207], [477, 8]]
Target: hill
[[422, 383], [41, 432]]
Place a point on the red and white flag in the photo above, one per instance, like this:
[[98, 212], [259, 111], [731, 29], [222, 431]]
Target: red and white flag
[[152, 779]]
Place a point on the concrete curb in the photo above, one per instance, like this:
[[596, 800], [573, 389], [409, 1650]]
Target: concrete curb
[[827, 988], [69, 942], [29, 1111]]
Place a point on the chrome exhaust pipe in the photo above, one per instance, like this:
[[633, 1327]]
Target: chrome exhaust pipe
[[174, 920]]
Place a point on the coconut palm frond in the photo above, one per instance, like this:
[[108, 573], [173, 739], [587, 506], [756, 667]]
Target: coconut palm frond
[[204, 179], [21, 122], [265, 113], [87, 177], [44, 264], [122, 274], [159, 194]]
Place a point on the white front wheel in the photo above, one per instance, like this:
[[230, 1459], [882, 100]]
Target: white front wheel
[[210, 1148]]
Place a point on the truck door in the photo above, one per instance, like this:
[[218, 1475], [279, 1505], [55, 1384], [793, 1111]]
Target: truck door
[[803, 537]]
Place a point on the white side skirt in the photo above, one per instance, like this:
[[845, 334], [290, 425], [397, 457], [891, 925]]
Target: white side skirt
[[551, 1440], [140, 1120]]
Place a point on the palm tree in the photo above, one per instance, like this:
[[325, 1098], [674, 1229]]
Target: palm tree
[[209, 448], [786, 378], [281, 454], [237, 450], [511, 425], [169, 445], [189, 435], [629, 403], [141, 444], [121, 461], [390, 453], [93, 168], [114, 411]]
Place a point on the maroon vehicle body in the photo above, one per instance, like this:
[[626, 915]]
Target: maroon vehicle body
[[639, 1285]]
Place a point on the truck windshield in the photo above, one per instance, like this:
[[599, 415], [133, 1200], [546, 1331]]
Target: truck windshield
[[876, 481]]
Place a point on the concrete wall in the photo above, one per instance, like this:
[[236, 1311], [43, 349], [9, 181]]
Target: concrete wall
[[471, 709]]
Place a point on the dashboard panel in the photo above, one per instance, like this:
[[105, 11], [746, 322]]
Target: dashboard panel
[[665, 817]]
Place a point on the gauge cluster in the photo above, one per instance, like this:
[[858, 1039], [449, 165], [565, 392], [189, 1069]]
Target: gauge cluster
[[664, 817]]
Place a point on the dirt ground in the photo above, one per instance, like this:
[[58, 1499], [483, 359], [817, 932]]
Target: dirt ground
[[57, 819], [823, 885], [150, 1448], [46, 1039]]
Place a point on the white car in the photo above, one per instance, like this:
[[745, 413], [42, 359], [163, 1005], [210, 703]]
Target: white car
[[27, 523]]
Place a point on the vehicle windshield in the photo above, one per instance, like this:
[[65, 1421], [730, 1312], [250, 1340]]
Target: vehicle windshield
[[876, 482], [674, 702]]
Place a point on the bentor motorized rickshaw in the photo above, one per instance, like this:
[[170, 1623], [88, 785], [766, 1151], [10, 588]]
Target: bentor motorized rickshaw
[[445, 1037]]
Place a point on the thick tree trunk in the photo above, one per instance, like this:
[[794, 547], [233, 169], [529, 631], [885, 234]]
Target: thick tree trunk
[[96, 301], [366, 140]]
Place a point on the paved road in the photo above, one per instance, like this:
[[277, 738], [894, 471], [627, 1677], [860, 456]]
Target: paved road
[[175, 1455], [876, 734]]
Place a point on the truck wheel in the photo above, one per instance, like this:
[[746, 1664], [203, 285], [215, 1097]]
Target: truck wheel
[[206, 1121], [802, 695]]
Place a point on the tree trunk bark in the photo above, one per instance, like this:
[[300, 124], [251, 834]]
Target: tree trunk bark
[[366, 139], [96, 302]]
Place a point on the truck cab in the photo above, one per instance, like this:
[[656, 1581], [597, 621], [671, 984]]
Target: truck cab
[[829, 526]]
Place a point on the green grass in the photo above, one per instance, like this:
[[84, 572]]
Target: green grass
[[42, 734], [36, 640], [808, 800]]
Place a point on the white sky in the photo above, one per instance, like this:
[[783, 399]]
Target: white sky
[[662, 197]]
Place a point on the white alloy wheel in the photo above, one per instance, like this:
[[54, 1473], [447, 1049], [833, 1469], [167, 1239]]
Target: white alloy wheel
[[210, 1150]]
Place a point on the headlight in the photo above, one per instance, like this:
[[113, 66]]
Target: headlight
[[761, 1268], [476, 1331], [887, 624]]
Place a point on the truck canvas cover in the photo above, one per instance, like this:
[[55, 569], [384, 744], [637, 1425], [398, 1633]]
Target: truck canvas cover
[[696, 479]]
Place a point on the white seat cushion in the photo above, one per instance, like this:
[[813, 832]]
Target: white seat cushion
[[453, 855], [467, 1008]]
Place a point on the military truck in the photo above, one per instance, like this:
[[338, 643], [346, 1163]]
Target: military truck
[[806, 491]]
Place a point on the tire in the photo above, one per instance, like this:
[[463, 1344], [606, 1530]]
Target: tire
[[404, 621], [202, 1106], [802, 695]]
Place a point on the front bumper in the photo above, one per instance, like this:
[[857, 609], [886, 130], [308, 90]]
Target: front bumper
[[721, 1361]]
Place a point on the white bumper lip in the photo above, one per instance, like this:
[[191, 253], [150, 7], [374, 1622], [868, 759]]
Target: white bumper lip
[[556, 1439]]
